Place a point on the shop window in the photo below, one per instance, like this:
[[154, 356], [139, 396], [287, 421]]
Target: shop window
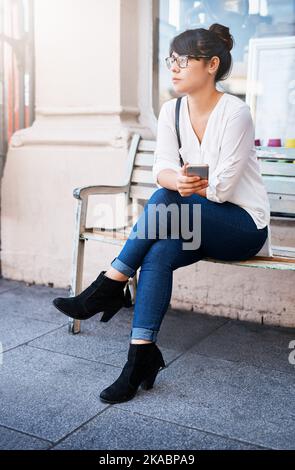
[[16, 68], [245, 18]]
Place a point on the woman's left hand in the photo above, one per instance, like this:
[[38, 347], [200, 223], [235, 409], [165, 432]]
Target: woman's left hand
[[201, 192]]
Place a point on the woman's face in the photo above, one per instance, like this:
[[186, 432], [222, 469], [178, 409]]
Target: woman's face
[[193, 77]]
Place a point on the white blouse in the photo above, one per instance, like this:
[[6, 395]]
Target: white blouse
[[228, 148]]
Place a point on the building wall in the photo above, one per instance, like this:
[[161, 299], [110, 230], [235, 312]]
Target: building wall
[[93, 90]]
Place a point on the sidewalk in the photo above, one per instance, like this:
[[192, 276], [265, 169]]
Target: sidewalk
[[227, 385]]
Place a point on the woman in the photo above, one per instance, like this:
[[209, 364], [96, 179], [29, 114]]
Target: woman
[[215, 128]]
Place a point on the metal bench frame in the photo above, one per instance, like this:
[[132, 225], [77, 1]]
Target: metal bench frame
[[279, 177]]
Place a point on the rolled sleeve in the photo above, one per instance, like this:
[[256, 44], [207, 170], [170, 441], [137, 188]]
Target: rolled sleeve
[[166, 155], [236, 149]]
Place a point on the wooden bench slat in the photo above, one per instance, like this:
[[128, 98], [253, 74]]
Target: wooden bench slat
[[280, 184], [276, 153], [141, 192], [144, 159], [285, 264], [282, 203], [283, 251], [105, 236], [275, 158], [147, 145], [255, 262], [277, 169], [279, 263], [142, 176]]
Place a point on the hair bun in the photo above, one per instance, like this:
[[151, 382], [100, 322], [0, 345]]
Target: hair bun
[[223, 33]]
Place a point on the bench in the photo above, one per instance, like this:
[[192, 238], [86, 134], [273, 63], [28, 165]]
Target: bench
[[278, 172]]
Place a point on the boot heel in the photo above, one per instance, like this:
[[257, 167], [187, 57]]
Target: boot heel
[[148, 383], [127, 298], [162, 363], [109, 313]]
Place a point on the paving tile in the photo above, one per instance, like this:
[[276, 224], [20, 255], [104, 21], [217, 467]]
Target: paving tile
[[32, 302], [14, 440], [49, 395], [214, 442], [230, 399], [181, 329], [117, 429], [16, 330], [255, 344], [98, 341]]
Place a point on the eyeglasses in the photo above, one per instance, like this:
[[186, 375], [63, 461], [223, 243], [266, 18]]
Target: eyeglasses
[[182, 60]]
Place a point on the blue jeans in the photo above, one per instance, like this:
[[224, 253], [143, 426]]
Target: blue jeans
[[227, 231]]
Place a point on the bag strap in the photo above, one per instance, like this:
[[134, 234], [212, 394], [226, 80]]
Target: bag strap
[[177, 107]]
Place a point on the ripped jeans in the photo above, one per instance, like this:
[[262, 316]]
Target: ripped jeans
[[227, 232]]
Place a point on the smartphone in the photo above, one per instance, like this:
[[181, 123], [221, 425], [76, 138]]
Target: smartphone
[[200, 169]]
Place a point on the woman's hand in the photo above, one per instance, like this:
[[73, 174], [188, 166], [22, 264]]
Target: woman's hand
[[188, 185]]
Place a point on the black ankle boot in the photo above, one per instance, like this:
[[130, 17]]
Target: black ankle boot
[[142, 367], [104, 294]]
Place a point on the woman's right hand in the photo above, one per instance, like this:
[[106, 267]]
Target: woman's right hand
[[188, 185]]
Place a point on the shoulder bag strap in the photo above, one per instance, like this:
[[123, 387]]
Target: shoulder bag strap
[[178, 101]]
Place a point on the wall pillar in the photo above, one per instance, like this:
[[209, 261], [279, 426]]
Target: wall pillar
[[87, 107]]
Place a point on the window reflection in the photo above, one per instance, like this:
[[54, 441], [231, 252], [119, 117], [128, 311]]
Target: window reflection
[[245, 18], [16, 69]]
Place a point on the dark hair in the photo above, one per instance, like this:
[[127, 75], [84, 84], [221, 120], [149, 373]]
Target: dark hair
[[215, 41]]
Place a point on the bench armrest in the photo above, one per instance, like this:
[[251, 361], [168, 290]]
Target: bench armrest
[[85, 191]]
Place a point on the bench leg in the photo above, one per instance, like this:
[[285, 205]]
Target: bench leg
[[74, 326], [76, 285], [78, 261]]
